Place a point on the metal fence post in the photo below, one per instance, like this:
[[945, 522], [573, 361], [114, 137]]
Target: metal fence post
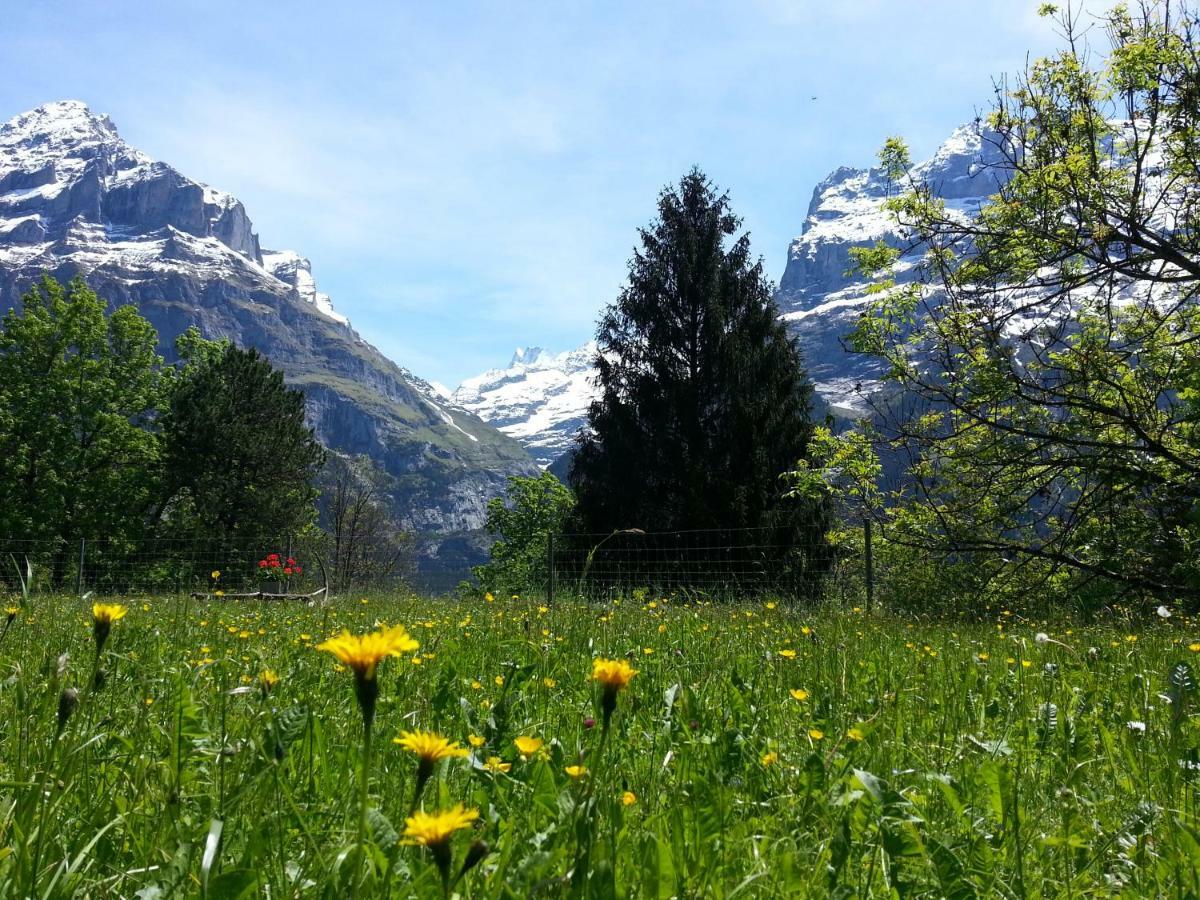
[[79, 574], [870, 562], [550, 568]]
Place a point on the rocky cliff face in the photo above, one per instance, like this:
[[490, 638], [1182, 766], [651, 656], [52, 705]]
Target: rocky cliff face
[[543, 402], [76, 199], [819, 295]]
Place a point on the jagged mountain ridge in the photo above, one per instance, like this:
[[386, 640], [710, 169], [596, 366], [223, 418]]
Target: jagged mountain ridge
[[540, 398], [76, 199], [818, 297]]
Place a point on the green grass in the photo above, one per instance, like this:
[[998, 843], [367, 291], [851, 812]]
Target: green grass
[[923, 759]]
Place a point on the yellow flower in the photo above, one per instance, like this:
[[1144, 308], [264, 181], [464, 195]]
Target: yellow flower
[[435, 829], [614, 674], [628, 798], [769, 759], [798, 694], [1194, 646], [215, 574], [11, 612], [107, 613], [428, 746], [816, 734], [855, 734], [549, 682], [788, 654], [364, 652], [983, 657], [103, 615], [528, 745], [496, 765], [576, 772], [476, 740], [499, 679], [267, 679], [488, 597]]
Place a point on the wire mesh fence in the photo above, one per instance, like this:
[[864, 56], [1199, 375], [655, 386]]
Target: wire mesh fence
[[717, 563], [273, 564], [735, 562]]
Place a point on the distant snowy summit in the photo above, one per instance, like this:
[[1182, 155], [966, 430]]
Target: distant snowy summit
[[541, 399]]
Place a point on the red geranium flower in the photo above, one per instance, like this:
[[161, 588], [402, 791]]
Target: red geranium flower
[[262, 563], [297, 569], [287, 570]]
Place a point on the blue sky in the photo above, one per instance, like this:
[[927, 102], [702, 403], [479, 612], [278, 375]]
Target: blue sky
[[469, 177]]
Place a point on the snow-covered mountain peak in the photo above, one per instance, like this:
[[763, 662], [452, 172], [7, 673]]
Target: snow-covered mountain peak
[[64, 122], [72, 191], [541, 399]]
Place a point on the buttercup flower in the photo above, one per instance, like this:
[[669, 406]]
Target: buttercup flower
[[528, 745], [497, 766]]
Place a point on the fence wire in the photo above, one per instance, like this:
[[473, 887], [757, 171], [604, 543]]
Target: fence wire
[[177, 565], [736, 562]]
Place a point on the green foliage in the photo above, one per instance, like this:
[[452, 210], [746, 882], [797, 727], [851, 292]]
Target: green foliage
[[522, 522], [885, 756], [704, 401], [1048, 415], [79, 390], [239, 458]]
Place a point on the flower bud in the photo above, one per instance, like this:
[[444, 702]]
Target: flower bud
[[67, 701]]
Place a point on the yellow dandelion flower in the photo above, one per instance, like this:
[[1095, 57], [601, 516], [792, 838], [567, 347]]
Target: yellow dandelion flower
[[215, 574], [576, 772], [788, 653], [528, 745], [769, 759], [364, 652], [1194, 646], [799, 694], [108, 613], [428, 746], [267, 679], [855, 734], [476, 740], [549, 682], [499, 679], [435, 829], [816, 734], [628, 798], [614, 674], [497, 766]]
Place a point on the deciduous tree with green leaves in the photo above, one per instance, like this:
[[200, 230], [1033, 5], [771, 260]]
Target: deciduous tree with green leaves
[[522, 521], [1054, 347], [79, 391]]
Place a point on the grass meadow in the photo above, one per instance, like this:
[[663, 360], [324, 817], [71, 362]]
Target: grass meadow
[[211, 749]]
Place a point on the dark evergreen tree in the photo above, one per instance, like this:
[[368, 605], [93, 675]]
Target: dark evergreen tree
[[240, 460], [704, 400]]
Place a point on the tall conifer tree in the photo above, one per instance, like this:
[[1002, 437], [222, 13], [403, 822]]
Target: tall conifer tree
[[704, 400]]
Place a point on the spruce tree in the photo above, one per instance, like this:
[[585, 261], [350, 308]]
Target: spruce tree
[[704, 401], [240, 460]]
